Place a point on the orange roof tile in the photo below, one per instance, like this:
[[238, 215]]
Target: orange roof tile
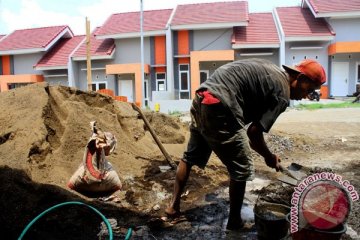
[[260, 31], [326, 6], [37, 39], [208, 13], [299, 22], [98, 47], [58, 56], [122, 23]]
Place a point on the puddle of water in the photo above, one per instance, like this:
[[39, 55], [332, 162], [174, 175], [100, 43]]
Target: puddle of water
[[257, 184], [247, 213], [208, 219]]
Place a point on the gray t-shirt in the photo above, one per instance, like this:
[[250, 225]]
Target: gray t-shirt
[[255, 90]]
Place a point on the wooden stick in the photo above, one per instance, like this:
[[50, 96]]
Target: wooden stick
[[153, 134]]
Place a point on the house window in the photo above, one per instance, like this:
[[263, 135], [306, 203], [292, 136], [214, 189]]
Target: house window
[[160, 82], [146, 98], [358, 73], [204, 74], [184, 88], [98, 85], [17, 85]]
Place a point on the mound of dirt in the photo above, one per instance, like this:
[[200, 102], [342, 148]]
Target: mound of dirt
[[166, 128], [44, 131]]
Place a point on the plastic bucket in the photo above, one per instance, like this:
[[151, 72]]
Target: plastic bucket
[[308, 232], [270, 220]]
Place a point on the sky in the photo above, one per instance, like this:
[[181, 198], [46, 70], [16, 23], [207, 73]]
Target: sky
[[22, 14]]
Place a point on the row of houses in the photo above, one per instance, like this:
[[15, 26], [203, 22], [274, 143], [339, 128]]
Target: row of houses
[[183, 46]]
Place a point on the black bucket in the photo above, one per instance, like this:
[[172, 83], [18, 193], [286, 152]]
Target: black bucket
[[308, 232], [270, 220]]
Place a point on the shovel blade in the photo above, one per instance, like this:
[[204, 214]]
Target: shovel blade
[[286, 179], [298, 167], [299, 171], [297, 174]]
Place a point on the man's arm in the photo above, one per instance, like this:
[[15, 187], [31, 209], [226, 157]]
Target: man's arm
[[257, 142]]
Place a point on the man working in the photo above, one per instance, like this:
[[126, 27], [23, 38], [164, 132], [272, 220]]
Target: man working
[[252, 91]]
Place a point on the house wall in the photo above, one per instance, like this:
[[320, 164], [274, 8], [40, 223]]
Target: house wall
[[74, 79], [353, 60], [346, 43], [53, 81], [6, 65], [293, 56], [214, 39], [197, 57], [182, 45], [273, 58], [96, 75], [51, 78], [347, 30], [128, 50], [211, 66], [157, 58], [24, 63], [20, 79]]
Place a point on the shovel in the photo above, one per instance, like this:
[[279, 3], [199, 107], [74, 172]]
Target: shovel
[[171, 163], [292, 174], [300, 168]]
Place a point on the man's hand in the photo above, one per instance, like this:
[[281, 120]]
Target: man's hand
[[273, 161], [257, 142]]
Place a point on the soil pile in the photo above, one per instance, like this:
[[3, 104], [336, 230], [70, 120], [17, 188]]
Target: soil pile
[[44, 131]]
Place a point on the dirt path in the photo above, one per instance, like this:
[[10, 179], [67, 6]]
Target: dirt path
[[325, 123]]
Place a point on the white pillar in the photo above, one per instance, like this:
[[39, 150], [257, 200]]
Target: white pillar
[[169, 63], [142, 52]]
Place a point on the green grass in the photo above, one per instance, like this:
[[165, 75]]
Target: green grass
[[175, 113], [314, 106]]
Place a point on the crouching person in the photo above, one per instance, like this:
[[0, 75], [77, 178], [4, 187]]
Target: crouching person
[[95, 175]]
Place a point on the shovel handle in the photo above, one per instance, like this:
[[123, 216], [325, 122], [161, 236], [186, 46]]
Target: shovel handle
[[285, 170], [281, 168], [171, 163]]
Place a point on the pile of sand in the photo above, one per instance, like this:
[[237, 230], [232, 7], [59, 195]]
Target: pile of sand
[[43, 134], [44, 130]]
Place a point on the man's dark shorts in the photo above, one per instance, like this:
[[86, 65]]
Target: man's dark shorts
[[214, 128]]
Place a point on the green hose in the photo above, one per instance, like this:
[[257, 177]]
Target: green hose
[[68, 203], [128, 234]]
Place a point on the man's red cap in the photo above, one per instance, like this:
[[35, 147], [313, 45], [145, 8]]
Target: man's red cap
[[310, 68]]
